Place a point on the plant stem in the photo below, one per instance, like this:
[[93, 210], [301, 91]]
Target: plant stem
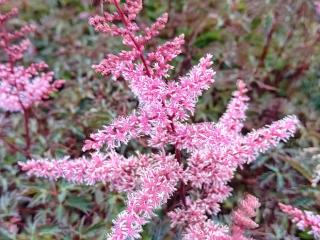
[[182, 188], [13, 147], [26, 150], [26, 118], [125, 22]]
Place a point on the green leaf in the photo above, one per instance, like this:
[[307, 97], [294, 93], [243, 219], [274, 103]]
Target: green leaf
[[49, 230], [297, 166], [80, 203], [208, 37], [305, 236], [4, 236], [255, 23], [241, 6], [302, 202], [94, 227], [255, 40], [268, 22]]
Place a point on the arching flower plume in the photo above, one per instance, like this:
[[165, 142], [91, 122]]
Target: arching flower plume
[[189, 173]]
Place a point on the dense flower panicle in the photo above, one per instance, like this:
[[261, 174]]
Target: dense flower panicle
[[242, 216], [232, 119], [161, 104], [133, 36], [305, 220], [195, 212], [154, 29], [20, 86], [131, 8], [122, 173], [214, 151], [208, 230], [184, 93], [213, 163], [157, 185], [160, 58], [261, 140], [120, 131]]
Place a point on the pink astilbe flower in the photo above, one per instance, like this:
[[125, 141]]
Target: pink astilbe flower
[[232, 120], [20, 86], [212, 166], [242, 217], [122, 173], [206, 155], [157, 185], [208, 230], [305, 220]]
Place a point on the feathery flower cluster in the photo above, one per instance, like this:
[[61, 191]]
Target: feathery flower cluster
[[241, 222], [122, 173], [304, 219], [196, 182], [242, 217], [20, 86], [158, 183]]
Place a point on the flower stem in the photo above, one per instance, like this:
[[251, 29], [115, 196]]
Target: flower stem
[[26, 120], [125, 22]]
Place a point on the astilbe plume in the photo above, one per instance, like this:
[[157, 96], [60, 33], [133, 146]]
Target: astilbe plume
[[241, 222], [242, 217], [20, 86], [192, 178], [305, 220]]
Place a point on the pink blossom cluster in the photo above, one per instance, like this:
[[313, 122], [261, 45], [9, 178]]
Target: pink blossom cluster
[[304, 219], [158, 183], [122, 173], [242, 217], [194, 176], [20, 86], [241, 222]]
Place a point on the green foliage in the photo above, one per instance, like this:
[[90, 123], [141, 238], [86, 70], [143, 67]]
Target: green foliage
[[208, 37]]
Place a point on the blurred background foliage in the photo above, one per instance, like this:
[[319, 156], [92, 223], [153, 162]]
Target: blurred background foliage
[[273, 45]]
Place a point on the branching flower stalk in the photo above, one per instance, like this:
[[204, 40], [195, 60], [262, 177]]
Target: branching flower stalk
[[21, 87], [148, 73], [190, 186]]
